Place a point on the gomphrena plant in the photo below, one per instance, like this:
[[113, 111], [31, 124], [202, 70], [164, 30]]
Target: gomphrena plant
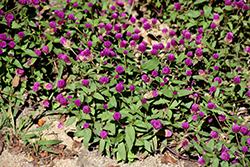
[[135, 84]]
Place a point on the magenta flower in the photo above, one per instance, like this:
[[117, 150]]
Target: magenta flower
[[105, 106], [189, 73], [86, 109], [236, 128], [237, 80], [195, 117], [132, 87], [12, 44], [19, 72], [21, 34], [45, 49], [45, 103], [188, 62], [119, 87], [61, 14], [154, 73], [210, 105], [63, 101], [108, 27], [222, 117], [225, 156], [214, 134], [60, 125], [144, 101], [199, 52], [212, 89], [123, 44], [146, 26], [119, 69], [58, 97], [171, 57], [133, 20], [103, 80], [85, 125], [103, 134], [78, 102], [177, 6], [166, 70], [85, 82], [218, 79], [189, 54], [248, 141], [185, 125], [61, 84], [244, 130], [213, 25], [194, 108], [145, 78], [155, 93], [201, 161], [117, 116], [9, 17], [172, 33]]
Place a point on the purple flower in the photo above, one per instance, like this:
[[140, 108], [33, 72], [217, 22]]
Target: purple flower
[[78, 102], [21, 34], [189, 54], [248, 93], [216, 16], [52, 24], [172, 33], [213, 25], [63, 101], [214, 134], [12, 44], [185, 125], [85, 82], [45, 49], [240, 4], [171, 57], [61, 84], [19, 72], [154, 21], [88, 25], [229, 36], [112, 8], [184, 144], [89, 43], [195, 117], [86, 109], [246, 7], [155, 93], [105, 106], [177, 6], [9, 17], [216, 68], [225, 156], [236, 128], [248, 141], [189, 73], [146, 26], [117, 27], [175, 93], [168, 133], [154, 52], [90, 4], [164, 30], [194, 108], [187, 35], [154, 73], [182, 42], [35, 88], [108, 27], [58, 97], [48, 86], [222, 117], [201, 161], [45, 103], [166, 70], [210, 105], [103, 134], [85, 125], [216, 56], [200, 30], [199, 52], [131, 87], [188, 62], [117, 116], [244, 149], [37, 84], [104, 80], [71, 17], [145, 78], [119, 69], [243, 130], [119, 87], [61, 14], [144, 101], [212, 89], [218, 79], [123, 44], [236, 80], [133, 20], [142, 47], [228, 3]]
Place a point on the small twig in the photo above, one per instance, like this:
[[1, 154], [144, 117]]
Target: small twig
[[175, 152]]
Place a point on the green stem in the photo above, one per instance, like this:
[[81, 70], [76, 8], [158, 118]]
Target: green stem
[[218, 121], [164, 115]]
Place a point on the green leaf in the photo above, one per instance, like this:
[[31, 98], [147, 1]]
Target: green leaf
[[210, 144], [17, 63], [49, 150], [15, 25], [215, 162], [194, 13], [150, 64], [122, 151], [167, 92], [48, 142], [161, 101], [112, 102], [71, 120], [110, 126], [130, 136], [183, 92], [147, 145], [198, 77], [41, 128], [207, 10], [30, 52], [242, 88], [228, 8], [102, 145], [32, 24], [169, 114], [198, 147], [87, 136], [131, 155], [79, 133], [224, 164], [141, 124], [50, 46], [98, 96], [200, 1]]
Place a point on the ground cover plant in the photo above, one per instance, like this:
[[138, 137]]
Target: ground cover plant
[[168, 73]]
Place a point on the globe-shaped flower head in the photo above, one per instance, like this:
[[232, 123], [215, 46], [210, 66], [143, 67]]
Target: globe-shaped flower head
[[61, 84]]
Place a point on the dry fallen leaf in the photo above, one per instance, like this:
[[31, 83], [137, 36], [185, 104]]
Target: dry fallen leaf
[[168, 158], [40, 122]]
